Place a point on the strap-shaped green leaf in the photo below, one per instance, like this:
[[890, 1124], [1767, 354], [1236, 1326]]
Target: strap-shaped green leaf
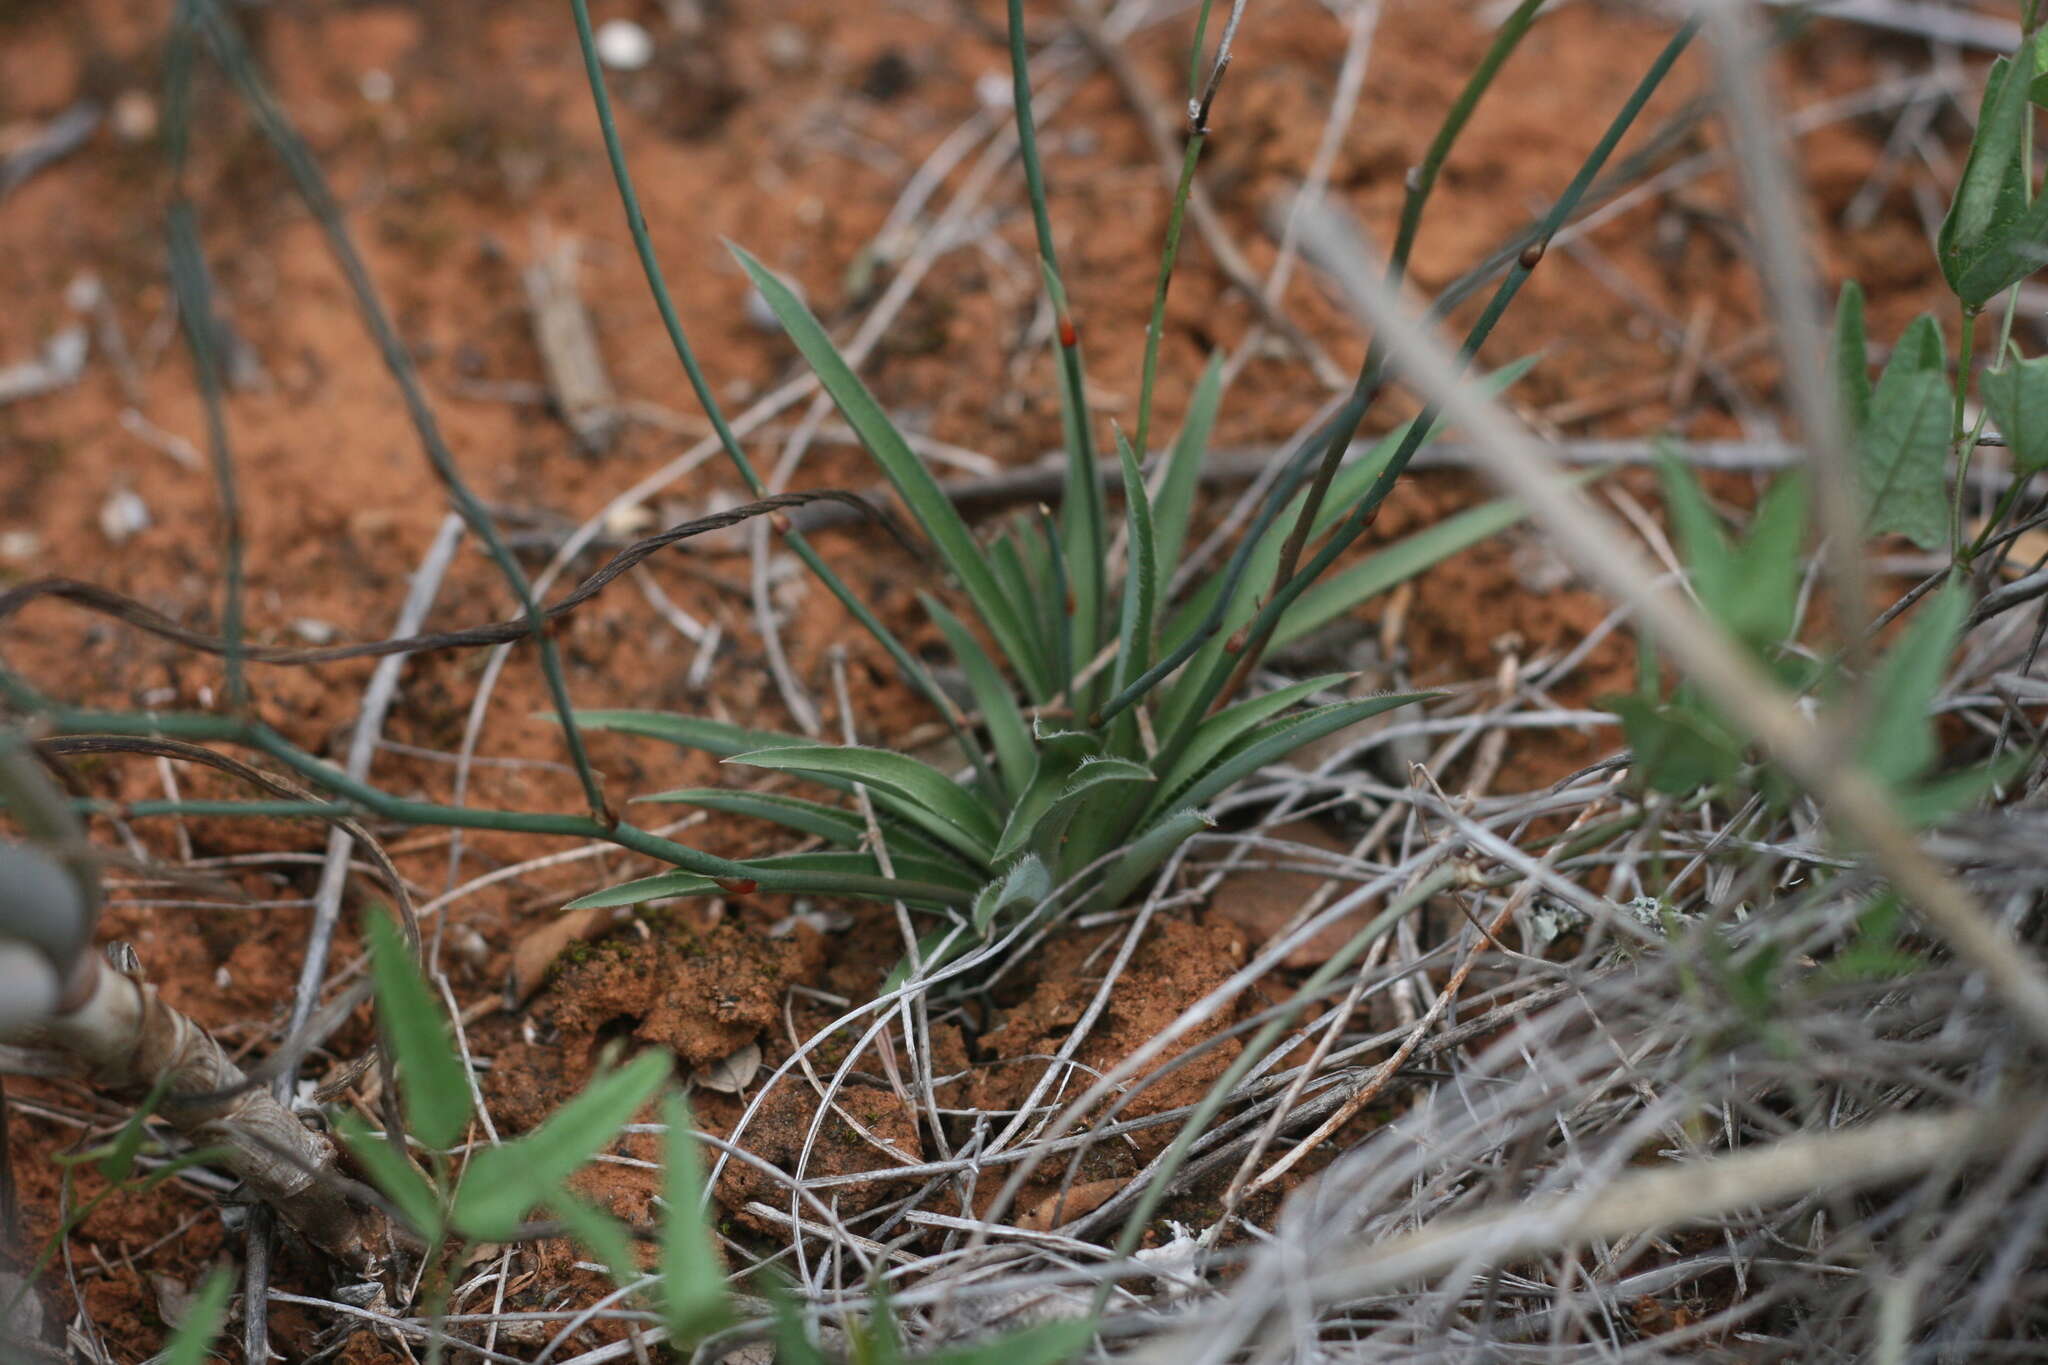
[[913, 790], [1173, 502], [504, 1184], [1083, 791], [1277, 739], [1388, 568], [1216, 734], [1141, 581], [689, 732], [1143, 855], [918, 878], [914, 483], [433, 1083], [995, 699]]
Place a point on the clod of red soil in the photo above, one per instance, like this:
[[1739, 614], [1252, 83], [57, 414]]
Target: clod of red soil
[[870, 1128], [1177, 964], [701, 996]]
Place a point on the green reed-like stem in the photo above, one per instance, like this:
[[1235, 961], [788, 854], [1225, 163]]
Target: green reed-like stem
[[313, 188], [906, 663]]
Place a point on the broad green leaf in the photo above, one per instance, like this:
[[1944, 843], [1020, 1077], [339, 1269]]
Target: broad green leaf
[[694, 1299], [1233, 723], [931, 873], [917, 792], [1676, 748], [1141, 582], [1905, 452], [1048, 1343], [1923, 804], [1143, 855], [432, 1080], [914, 483], [1984, 242], [1173, 502], [605, 1236], [506, 1183], [193, 1341], [1277, 739], [1852, 361], [1702, 540], [2017, 395], [1899, 743], [1874, 954], [995, 699], [400, 1181], [1026, 883]]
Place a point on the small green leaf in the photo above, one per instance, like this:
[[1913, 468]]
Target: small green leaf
[[995, 699], [1026, 883], [432, 1079], [1905, 452], [506, 1183], [1899, 743], [792, 1341], [914, 483], [117, 1161], [1675, 748], [193, 1341], [694, 1300], [2017, 395], [1992, 236], [917, 792], [1174, 502], [1852, 360], [400, 1181]]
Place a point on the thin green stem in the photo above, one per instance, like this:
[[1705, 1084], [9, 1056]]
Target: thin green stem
[[1422, 180], [313, 188], [1087, 539], [657, 285], [357, 797], [1367, 507], [1155, 332]]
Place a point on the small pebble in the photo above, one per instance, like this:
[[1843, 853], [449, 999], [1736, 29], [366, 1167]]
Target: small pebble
[[377, 86], [122, 515], [313, 630], [623, 45], [20, 546], [134, 116], [786, 47]]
